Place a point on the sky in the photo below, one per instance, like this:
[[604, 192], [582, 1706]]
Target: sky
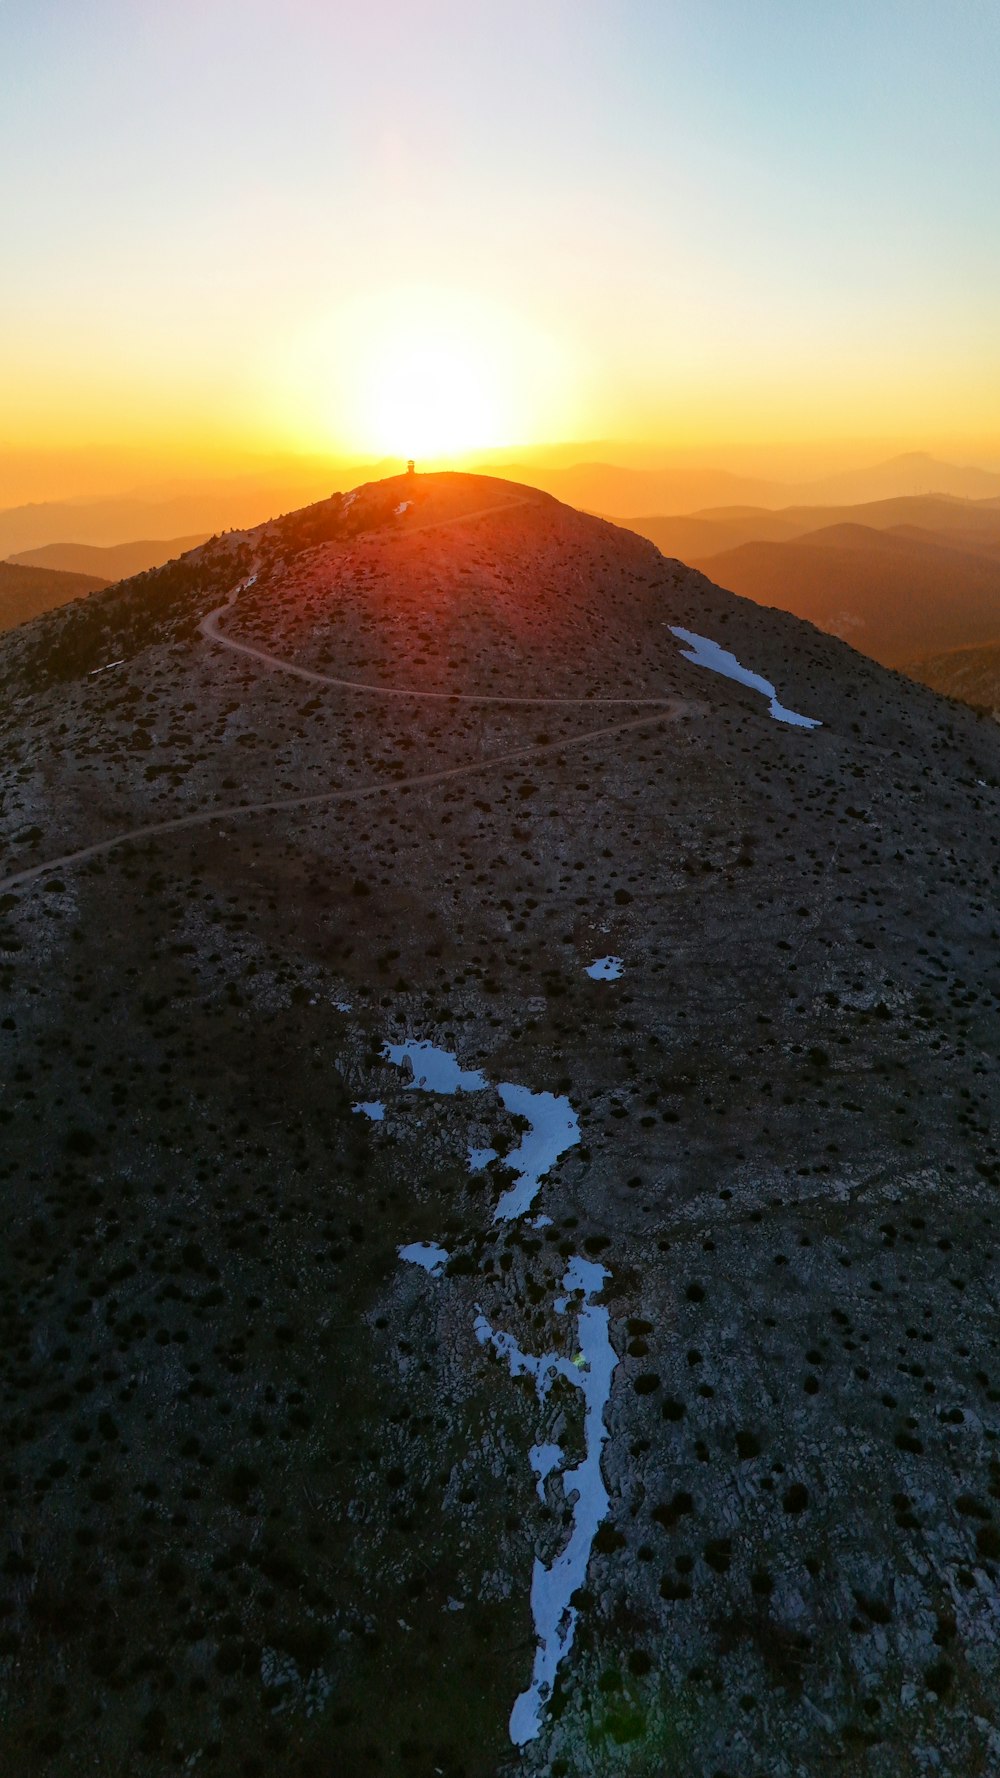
[[238, 228]]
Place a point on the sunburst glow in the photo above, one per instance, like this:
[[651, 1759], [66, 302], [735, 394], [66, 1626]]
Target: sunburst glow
[[426, 373], [430, 397]]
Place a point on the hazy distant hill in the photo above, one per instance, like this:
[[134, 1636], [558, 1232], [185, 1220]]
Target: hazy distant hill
[[697, 534], [915, 472], [607, 487], [621, 492], [968, 523], [215, 507], [27, 592], [890, 597], [179, 510], [972, 674], [111, 561], [985, 545]]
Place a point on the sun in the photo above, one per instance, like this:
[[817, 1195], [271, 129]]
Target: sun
[[431, 397], [427, 378], [424, 372]]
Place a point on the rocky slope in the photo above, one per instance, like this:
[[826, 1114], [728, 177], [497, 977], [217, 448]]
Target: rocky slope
[[320, 1382]]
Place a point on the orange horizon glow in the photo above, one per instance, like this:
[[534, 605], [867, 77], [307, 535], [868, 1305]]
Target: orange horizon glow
[[308, 232]]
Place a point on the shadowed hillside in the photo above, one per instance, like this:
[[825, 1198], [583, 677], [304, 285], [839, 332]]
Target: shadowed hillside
[[487, 1096], [27, 592], [890, 596], [971, 674]]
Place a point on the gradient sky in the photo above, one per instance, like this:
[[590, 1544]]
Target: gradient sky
[[224, 221]]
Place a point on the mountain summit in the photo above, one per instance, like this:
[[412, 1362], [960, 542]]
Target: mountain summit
[[499, 1167]]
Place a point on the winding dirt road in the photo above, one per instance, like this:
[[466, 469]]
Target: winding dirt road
[[656, 710], [209, 627]]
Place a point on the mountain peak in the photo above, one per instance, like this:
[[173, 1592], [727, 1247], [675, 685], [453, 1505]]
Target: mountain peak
[[490, 1076]]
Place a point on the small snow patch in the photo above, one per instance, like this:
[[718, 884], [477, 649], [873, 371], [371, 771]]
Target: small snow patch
[[604, 969], [404, 506], [480, 1158], [372, 1108], [434, 1070], [427, 1254]]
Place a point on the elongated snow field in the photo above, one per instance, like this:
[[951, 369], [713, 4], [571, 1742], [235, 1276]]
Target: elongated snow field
[[701, 651], [553, 1128]]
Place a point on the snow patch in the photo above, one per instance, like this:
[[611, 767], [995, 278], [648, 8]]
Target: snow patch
[[554, 1128], [703, 652], [372, 1108], [553, 1584], [480, 1158], [434, 1070], [604, 969], [427, 1254]]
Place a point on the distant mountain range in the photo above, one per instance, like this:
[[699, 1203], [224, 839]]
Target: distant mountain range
[[897, 578], [111, 561], [177, 509], [625, 493], [709, 532], [206, 509], [622, 493]]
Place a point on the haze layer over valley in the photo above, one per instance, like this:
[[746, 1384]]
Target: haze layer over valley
[[492, 1083]]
